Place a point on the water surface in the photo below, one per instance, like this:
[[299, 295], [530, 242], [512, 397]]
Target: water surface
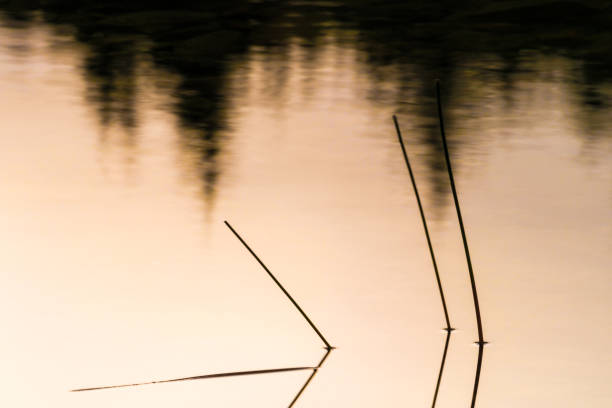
[[119, 167]]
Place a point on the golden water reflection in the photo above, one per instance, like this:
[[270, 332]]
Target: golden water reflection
[[117, 268]]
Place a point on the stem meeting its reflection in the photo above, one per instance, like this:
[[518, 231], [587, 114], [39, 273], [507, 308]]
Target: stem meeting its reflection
[[328, 347], [481, 342], [449, 329]]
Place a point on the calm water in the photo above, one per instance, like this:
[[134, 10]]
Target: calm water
[[116, 265]]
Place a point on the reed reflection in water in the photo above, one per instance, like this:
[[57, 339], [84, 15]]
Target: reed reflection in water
[[116, 268], [449, 329], [328, 347]]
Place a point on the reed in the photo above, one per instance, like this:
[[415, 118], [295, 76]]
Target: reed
[[481, 342], [314, 372], [442, 363], [327, 345], [200, 377], [448, 328]]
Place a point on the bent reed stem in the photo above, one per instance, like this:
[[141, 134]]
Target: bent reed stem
[[481, 342]]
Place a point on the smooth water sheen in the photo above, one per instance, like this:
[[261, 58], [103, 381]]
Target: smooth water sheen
[[116, 266]]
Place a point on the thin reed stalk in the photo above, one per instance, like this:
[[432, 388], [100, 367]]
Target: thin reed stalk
[[327, 345], [477, 375], [200, 377], [448, 336], [481, 342], [448, 328], [314, 372], [418, 198], [314, 369]]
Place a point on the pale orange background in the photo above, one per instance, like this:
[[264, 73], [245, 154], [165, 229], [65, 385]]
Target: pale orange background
[[114, 268]]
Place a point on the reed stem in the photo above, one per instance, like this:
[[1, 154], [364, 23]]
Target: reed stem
[[481, 342], [418, 198], [314, 372], [435, 397], [327, 345], [477, 376], [448, 328], [460, 218], [200, 377]]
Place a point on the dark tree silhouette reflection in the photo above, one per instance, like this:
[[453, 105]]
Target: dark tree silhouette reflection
[[192, 41], [110, 72], [464, 44], [424, 41]]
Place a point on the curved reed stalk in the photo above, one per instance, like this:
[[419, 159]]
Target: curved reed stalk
[[481, 342], [448, 328], [328, 347]]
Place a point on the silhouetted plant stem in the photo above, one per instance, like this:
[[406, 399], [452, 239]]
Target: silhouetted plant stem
[[481, 342], [314, 372], [478, 368], [201, 377], [435, 397], [448, 328], [327, 345], [418, 198]]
